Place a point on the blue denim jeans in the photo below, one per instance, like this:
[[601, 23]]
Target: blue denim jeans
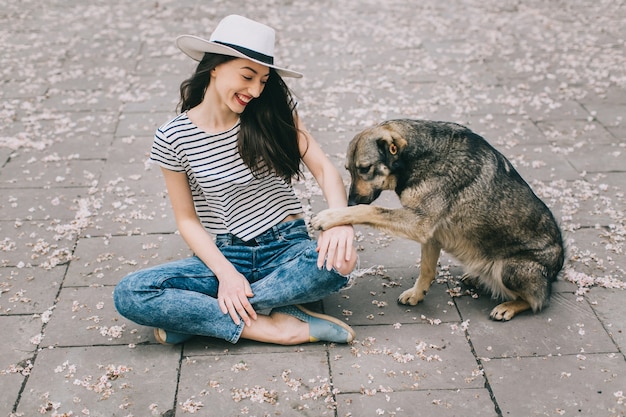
[[181, 296]]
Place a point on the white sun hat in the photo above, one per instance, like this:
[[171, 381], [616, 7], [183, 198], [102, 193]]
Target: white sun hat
[[240, 37]]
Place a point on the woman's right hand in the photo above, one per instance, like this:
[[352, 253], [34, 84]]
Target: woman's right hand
[[232, 296]]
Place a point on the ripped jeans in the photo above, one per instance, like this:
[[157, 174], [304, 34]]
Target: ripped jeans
[[181, 296]]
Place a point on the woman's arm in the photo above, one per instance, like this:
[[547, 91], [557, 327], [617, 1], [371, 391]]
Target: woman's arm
[[234, 289], [335, 245]]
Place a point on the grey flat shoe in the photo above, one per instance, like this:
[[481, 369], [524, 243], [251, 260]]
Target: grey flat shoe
[[170, 338], [321, 326]]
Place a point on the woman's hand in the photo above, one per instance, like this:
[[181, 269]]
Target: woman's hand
[[232, 296], [336, 248]]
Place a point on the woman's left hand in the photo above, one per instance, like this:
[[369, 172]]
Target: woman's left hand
[[336, 248]]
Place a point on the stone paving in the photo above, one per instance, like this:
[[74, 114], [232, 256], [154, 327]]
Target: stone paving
[[84, 85]]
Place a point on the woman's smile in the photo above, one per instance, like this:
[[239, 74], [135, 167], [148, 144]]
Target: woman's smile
[[242, 99]]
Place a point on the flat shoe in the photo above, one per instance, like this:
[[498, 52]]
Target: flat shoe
[[321, 326], [170, 338]]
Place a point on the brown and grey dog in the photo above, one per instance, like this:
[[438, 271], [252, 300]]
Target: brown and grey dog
[[460, 195]]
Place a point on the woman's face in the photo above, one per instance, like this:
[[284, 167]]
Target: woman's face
[[239, 81]]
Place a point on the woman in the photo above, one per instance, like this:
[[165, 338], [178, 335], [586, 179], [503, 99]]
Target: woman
[[228, 160]]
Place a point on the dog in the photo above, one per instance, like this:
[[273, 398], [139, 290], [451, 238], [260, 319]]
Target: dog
[[460, 195]]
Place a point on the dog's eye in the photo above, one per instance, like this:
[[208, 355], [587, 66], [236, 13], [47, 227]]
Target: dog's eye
[[364, 170]]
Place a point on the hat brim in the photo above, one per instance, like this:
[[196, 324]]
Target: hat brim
[[195, 47]]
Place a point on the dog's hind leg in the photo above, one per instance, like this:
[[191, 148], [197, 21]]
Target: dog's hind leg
[[529, 286], [428, 270], [471, 280]]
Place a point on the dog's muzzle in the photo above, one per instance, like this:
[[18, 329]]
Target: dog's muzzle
[[354, 199]]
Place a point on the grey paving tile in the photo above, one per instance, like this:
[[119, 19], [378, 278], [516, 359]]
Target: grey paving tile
[[17, 354], [208, 346], [124, 213], [589, 385], [87, 145], [563, 285], [153, 99], [132, 179], [130, 150], [553, 108], [87, 316], [379, 248], [78, 98], [141, 124], [609, 114], [566, 327], [600, 98], [165, 66], [505, 131], [596, 201], [599, 158], [609, 305], [105, 260], [594, 254], [29, 290], [86, 54], [372, 300], [19, 89], [619, 133], [40, 204], [575, 133], [102, 381], [297, 384], [413, 356], [132, 200], [425, 403], [83, 135], [5, 154], [335, 145], [541, 163], [10, 385], [28, 243], [23, 333], [54, 172]]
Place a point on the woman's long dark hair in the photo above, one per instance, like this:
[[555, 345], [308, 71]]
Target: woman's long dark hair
[[268, 139]]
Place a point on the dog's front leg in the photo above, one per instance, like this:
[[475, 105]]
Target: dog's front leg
[[428, 270], [332, 217], [401, 222]]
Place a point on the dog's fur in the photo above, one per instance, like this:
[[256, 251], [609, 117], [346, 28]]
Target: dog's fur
[[458, 194]]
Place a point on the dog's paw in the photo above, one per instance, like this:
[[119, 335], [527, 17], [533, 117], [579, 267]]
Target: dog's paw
[[500, 313], [322, 220], [411, 297], [316, 222], [507, 310]]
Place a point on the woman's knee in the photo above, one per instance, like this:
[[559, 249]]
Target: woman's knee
[[127, 291], [121, 294]]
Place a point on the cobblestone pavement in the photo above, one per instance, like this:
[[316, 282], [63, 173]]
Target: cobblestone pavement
[[84, 85]]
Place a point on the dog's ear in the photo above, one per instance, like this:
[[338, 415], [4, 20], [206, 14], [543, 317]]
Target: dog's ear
[[392, 139], [387, 148], [390, 147]]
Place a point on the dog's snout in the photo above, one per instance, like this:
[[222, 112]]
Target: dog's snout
[[355, 198]]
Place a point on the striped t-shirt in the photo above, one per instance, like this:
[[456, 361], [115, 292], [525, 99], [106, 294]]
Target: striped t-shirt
[[227, 197]]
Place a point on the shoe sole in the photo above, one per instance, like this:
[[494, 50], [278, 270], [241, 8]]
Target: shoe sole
[[157, 336]]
